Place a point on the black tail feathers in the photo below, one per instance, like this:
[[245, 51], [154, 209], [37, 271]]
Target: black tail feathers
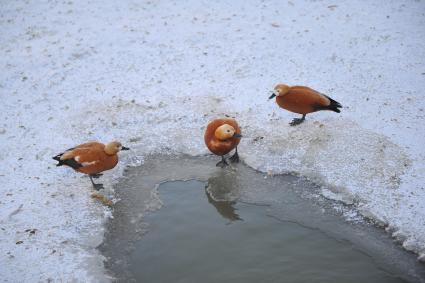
[[334, 105], [58, 159], [68, 162], [62, 162], [335, 109]]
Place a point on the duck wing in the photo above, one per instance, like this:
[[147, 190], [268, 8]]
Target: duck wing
[[318, 101], [80, 156]]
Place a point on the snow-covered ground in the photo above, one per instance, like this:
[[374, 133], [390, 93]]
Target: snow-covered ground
[[153, 73]]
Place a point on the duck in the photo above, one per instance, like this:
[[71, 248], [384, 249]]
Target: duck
[[91, 158], [222, 136], [303, 100]]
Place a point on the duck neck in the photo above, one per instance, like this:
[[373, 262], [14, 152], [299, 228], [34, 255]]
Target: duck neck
[[109, 150]]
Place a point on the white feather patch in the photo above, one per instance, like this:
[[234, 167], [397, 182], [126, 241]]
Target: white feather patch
[[89, 163]]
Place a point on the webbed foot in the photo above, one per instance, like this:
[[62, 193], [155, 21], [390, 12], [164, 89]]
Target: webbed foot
[[223, 163], [235, 157], [297, 121]]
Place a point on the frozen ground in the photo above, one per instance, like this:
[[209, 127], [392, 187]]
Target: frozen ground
[[152, 73]]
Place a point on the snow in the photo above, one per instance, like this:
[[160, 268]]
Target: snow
[[153, 73]]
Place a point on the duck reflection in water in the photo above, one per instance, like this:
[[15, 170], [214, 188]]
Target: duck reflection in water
[[224, 208], [221, 192]]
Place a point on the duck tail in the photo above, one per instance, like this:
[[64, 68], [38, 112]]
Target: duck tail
[[68, 162], [334, 105], [58, 159]]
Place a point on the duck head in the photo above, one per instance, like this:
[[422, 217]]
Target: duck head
[[280, 90], [114, 147], [225, 132]]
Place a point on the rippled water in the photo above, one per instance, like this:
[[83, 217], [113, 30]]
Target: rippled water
[[238, 225]]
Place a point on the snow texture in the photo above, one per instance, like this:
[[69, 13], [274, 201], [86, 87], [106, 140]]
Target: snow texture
[[153, 73]]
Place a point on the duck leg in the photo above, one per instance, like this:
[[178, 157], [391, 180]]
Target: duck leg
[[297, 121], [223, 163], [235, 157], [96, 175], [95, 186]]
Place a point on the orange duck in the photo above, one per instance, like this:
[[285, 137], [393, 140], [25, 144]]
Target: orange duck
[[221, 136], [303, 100], [91, 158]]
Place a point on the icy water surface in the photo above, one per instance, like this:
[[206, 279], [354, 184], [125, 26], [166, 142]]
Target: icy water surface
[[238, 225]]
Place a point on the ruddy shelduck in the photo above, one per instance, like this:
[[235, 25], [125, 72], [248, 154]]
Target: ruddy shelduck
[[303, 100], [91, 158], [221, 137]]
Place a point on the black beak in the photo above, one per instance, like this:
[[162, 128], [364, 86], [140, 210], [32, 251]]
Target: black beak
[[271, 96], [236, 135], [125, 148]]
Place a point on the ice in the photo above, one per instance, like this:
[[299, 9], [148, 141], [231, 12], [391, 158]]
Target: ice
[[286, 198], [153, 74]]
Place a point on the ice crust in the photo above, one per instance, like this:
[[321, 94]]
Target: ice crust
[[152, 74]]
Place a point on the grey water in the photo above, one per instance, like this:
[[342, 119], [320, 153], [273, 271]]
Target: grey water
[[181, 219]]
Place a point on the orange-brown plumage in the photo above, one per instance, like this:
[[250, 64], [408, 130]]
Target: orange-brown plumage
[[222, 145], [303, 100], [91, 158]]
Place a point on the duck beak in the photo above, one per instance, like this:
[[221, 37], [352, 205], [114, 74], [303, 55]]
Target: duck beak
[[125, 148], [236, 135], [271, 96]]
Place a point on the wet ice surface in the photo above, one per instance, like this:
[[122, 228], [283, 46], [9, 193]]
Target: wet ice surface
[[238, 225]]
